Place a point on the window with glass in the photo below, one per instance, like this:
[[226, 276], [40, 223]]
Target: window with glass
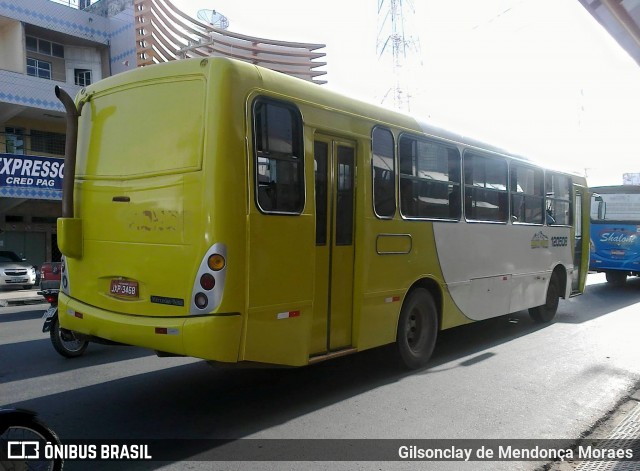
[[321, 159], [558, 205], [42, 46], [82, 77], [384, 173], [345, 195], [485, 188], [279, 159], [620, 207], [38, 68], [527, 194], [429, 179], [14, 140]]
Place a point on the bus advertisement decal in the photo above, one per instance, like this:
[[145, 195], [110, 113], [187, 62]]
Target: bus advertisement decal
[[539, 241]]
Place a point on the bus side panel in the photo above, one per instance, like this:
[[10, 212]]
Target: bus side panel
[[390, 269], [495, 269], [281, 266]]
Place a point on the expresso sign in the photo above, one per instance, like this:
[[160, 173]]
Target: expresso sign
[[29, 171]]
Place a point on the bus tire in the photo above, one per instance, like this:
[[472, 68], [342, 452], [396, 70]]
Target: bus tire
[[617, 278], [547, 311], [417, 329]]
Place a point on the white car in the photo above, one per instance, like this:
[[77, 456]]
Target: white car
[[15, 272]]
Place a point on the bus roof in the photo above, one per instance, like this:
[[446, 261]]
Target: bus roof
[[302, 90], [611, 189], [314, 93]]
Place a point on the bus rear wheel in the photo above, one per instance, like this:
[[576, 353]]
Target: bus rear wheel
[[547, 311], [617, 278], [417, 329]]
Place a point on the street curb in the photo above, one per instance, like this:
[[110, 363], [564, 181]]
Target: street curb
[[19, 302]]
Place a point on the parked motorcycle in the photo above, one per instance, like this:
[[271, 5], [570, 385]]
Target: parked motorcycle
[[22, 442], [64, 341]]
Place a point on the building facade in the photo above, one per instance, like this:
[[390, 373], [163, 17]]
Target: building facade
[[43, 44], [71, 44]]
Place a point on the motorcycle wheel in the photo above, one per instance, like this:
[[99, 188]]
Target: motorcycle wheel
[[65, 342], [30, 429]]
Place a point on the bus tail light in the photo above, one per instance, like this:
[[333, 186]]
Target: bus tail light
[[208, 285], [201, 301], [216, 262], [65, 284], [207, 281]]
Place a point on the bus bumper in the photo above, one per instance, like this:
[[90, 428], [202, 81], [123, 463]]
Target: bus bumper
[[598, 263], [212, 337]]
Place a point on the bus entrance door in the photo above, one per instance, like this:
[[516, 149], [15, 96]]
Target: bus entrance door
[[581, 240], [335, 207]]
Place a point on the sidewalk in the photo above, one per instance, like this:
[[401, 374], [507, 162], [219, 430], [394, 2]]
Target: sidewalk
[[23, 296], [618, 429]]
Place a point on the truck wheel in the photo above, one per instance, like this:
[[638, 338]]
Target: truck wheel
[[417, 329]]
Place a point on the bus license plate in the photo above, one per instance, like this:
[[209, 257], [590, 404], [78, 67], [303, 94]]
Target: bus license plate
[[617, 253], [126, 289]]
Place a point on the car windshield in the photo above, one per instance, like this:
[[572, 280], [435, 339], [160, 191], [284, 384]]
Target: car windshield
[[6, 256]]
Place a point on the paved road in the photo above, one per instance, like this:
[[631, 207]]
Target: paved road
[[503, 378]]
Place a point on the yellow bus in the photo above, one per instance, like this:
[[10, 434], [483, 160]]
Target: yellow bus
[[219, 210]]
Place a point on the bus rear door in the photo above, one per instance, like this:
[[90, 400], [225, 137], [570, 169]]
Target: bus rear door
[[335, 209]]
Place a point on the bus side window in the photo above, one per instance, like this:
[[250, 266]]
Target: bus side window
[[527, 194], [279, 158], [429, 179], [558, 203], [383, 167], [485, 188]]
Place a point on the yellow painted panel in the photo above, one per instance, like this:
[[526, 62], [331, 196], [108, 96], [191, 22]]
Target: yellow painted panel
[[70, 237], [211, 337], [279, 334]]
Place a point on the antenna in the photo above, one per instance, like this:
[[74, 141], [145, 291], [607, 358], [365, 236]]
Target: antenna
[[394, 41], [214, 18]]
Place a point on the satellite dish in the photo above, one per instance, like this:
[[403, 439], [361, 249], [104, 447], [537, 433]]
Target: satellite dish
[[214, 18]]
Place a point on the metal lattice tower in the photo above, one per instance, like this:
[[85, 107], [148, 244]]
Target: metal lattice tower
[[396, 46]]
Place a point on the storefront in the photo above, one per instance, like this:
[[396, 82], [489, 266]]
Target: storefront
[[30, 203]]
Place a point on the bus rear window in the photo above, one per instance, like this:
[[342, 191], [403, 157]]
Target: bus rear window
[[615, 207], [146, 129]]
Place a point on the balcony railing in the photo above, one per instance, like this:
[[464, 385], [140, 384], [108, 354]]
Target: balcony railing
[[79, 4], [40, 143]]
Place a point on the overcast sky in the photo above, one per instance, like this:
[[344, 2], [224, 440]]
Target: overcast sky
[[537, 77]]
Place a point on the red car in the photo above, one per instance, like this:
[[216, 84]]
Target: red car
[[50, 275]]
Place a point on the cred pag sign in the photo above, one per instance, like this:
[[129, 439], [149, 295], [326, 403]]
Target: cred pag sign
[[31, 176]]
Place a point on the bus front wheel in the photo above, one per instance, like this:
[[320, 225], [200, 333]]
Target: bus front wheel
[[417, 329], [547, 311]]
